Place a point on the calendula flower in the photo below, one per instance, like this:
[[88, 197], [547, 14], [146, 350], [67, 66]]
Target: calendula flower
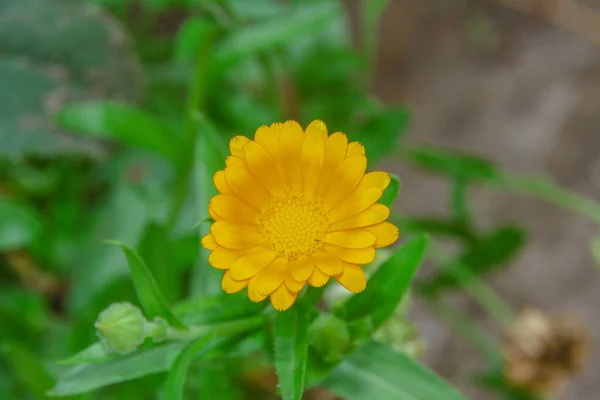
[[544, 351], [293, 207]]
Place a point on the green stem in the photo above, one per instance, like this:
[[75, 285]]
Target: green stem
[[549, 192], [218, 330]]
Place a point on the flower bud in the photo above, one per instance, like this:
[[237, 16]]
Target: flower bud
[[329, 337], [121, 328]]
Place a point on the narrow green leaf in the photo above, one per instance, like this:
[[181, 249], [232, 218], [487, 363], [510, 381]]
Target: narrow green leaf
[[375, 371], [382, 131], [122, 122], [175, 384], [191, 38], [291, 341], [19, 225], [289, 25], [480, 258], [596, 249], [86, 377], [434, 225], [391, 192], [92, 354], [149, 294], [219, 308], [27, 368], [387, 286], [449, 163]]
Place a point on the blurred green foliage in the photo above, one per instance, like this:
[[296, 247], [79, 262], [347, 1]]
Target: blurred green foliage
[[115, 116]]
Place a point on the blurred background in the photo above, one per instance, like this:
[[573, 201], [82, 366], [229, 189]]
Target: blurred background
[[94, 93]]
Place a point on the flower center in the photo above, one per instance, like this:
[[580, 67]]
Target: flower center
[[294, 225]]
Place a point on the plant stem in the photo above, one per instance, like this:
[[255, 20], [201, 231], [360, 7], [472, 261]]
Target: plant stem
[[223, 329]]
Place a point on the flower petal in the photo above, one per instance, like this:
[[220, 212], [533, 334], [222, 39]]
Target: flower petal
[[292, 284], [267, 138], [222, 258], [351, 239], [272, 276], [262, 167], [230, 285], [221, 183], [235, 236], [213, 214], [234, 161], [317, 278], [353, 256], [208, 242], [377, 179], [245, 187], [291, 137], [345, 180], [301, 268], [327, 263], [357, 202], [311, 160], [317, 126], [335, 151], [251, 264], [355, 148], [373, 215], [237, 144], [232, 209], [385, 233], [253, 293], [352, 278], [282, 298]]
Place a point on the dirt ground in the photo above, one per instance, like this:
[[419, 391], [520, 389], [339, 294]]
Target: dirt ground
[[481, 77]]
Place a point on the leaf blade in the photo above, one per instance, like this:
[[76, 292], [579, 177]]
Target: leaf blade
[[291, 347]]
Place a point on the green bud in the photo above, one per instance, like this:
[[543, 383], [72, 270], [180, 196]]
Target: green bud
[[157, 329], [121, 328], [329, 337]]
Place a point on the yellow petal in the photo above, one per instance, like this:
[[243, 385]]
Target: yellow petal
[[385, 233], [222, 258], [345, 180], [317, 126], [267, 138], [352, 278], [272, 276], [353, 256], [376, 179], [311, 160], [335, 151], [282, 298], [351, 239], [357, 202], [230, 285], [221, 183], [231, 208], [237, 144], [291, 137], [208, 242], [213, 214], [245, 187], [373, 215], [251, 264], [355, 148], [327, 263], [301, 268], [292, 284], [317, 278], [262, 167], [253, 293], [233, 161], [234, 236]]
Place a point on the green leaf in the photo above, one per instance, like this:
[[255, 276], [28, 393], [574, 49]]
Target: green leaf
[[27, 368], [79, 55], [480, 258], [92, 354], [596, 249], [376, 371], [149, 294], [387, 286], [391, 192], [290, 25], [122, 122], [175, 384], [382, 131], [220, 308], [19, 225], [434, 225], [86, 377], [452, 164], [191, 38], [291, 341]]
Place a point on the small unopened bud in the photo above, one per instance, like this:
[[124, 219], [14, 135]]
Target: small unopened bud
[[121, 327], [329, 337], [157, 329]]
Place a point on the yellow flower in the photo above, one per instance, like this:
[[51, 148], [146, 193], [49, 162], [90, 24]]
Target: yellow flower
[[294, 207]]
